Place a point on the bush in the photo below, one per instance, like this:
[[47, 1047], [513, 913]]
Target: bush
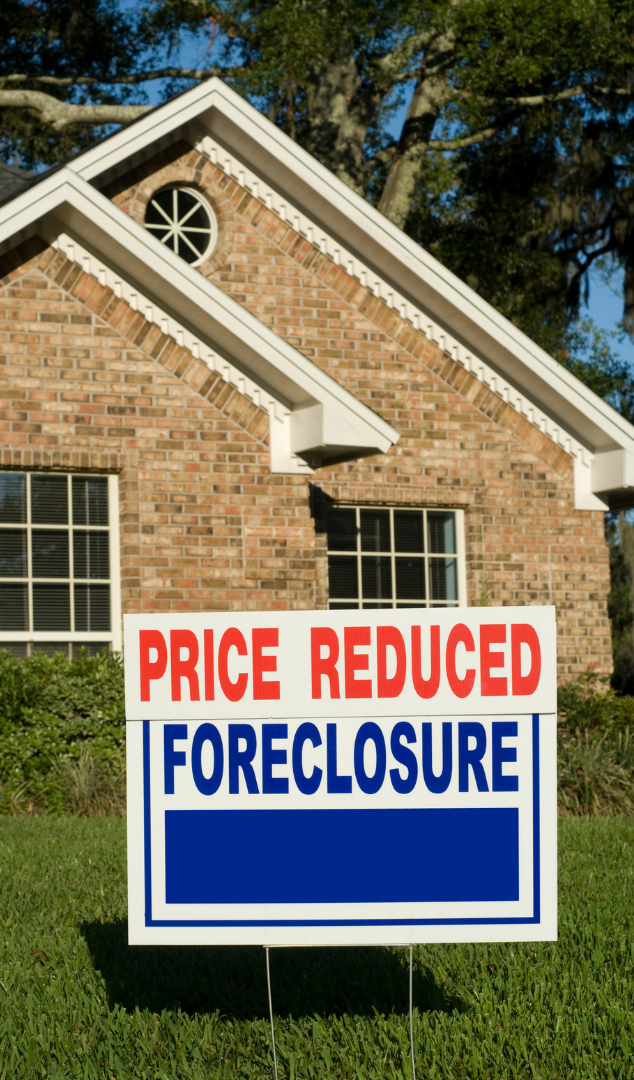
[[62, 731], [595, 751], [589, 703]]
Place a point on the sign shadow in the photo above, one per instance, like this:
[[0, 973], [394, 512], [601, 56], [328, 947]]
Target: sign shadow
[[231, 979]]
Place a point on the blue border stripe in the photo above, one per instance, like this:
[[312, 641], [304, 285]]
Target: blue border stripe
[[147, 829], [536, 813], [149, 921]]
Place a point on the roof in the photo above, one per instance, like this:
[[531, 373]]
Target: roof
[[12, 180], [313, 418], [267, 162]]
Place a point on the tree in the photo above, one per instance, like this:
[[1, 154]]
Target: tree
[[522, 110]]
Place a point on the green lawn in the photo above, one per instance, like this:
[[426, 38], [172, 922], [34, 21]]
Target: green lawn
[[76, 1001]]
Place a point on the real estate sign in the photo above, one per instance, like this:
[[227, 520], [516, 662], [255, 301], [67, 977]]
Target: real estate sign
[[342, 777]]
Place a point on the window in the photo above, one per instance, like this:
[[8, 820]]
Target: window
[[183, 221], [392, 558], [56, 562]]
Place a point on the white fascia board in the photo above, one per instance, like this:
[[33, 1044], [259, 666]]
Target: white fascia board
[[213, 106], [121, 148], [99, 224]]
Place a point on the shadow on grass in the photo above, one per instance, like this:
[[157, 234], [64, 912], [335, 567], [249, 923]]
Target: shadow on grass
[[232, 978]]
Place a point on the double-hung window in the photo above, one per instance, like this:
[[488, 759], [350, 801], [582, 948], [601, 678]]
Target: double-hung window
[[394, 557], [58, 562]]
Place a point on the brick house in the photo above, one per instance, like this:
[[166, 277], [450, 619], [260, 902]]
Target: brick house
[[228, 382]]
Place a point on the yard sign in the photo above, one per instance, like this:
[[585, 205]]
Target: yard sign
[[342, 777]]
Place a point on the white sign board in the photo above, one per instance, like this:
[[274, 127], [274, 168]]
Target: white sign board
[[342, 777]]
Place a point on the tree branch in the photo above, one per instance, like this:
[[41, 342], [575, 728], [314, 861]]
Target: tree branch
[[382, 157], [121, 80], [59, 114], [468, 140], [532, 100], [572, 92], [392, 63]]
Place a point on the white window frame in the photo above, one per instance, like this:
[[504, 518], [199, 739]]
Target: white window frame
[[387, 604], [113, 636]]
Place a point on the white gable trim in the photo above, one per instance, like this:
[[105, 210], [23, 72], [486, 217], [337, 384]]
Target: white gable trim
[[270, 165], [68, 211]]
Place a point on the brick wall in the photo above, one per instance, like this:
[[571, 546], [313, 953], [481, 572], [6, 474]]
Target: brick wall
[[204, 524]]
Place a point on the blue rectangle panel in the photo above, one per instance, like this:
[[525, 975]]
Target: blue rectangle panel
[[341, 856]]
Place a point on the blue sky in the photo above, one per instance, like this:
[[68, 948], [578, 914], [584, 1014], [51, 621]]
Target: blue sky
[[606, 308]]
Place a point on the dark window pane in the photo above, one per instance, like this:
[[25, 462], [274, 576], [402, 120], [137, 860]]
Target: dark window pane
[[13, 553], [342, 529], [91, 555], [197, 220], [51, 607], [49, 553], [410, 579], [343, 605], [443, 579], [90, 500], [50, 648], [49, 499], [14, 607], [408, 531], [367, 606], [154, 219], [91, 647], [342, 577], [13, 497], [19, 649], [92, 607], [375, 530], [441, 526], [376, 574]]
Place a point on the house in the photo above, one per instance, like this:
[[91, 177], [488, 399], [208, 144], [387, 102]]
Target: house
[[230, 383]]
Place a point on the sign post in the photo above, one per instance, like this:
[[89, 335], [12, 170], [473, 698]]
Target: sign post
[[342, 777]]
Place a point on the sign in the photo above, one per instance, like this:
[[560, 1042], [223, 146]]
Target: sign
[[342, 777]]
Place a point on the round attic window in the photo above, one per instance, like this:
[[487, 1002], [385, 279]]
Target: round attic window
[[183, 220]]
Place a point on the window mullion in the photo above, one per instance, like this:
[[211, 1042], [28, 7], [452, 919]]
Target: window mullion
[[426, 557], [359, 577], [393, 556]]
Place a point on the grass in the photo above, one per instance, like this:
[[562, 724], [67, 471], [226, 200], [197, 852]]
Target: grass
[[76, 1001]]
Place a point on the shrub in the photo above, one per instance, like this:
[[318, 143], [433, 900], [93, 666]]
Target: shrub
[[595, 774], [589, 703], [595, 751], [89, 786], [56, 717]]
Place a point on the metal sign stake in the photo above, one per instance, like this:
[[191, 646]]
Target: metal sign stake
[[268, 982], [411, 1024]]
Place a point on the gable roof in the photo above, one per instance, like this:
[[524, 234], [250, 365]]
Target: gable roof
[[12, 180], [268, 163], [313, 418]]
